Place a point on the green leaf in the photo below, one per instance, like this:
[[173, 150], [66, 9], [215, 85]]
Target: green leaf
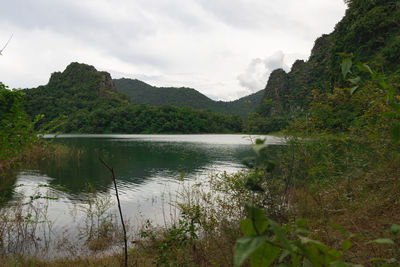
[[364, 68], [338, 227], [309, 254], [264, 255], [354, 89], [382, 241], [376, 260], [359, 236], [260, 141], [257, 148], [303, 231], [257, 221], [281, 235], [284, 254], [391, 93], [247, 227], [346, 244], [245, 246], [335, 254], [346, 66], [306, 240], [395, 229], [383, 85], [355, 80]]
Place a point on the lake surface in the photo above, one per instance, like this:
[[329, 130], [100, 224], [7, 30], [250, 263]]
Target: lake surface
[[148, 170]]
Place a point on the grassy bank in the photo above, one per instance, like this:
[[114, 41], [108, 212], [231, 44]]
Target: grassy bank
[[33, 154]]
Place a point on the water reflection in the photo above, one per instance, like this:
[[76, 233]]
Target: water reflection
[[138, 159]]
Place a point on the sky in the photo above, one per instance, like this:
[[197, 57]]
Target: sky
[[224, 49]]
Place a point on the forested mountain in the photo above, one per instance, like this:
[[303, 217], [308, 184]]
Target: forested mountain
[[368, 33], [80, 88], [143, 93], [82, 99]]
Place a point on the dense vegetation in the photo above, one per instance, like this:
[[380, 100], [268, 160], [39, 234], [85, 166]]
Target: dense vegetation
[[369, 33], [16, 129], [84, 100], [336, 196], [20, 142], [143, 93]]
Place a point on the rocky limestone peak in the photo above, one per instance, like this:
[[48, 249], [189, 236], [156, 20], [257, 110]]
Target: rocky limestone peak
[[277, 83], [319, 45], [276, 88], [297, 65], [81, 76], [107, 82]]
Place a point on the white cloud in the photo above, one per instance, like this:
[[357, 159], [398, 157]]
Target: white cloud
[[256, 75], [201, 44]]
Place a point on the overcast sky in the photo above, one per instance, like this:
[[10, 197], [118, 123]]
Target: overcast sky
[[224, 49]]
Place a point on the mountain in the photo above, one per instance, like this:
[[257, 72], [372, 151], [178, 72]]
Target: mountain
[[84, 100], [369, 33], [143, 93], [78, 87]]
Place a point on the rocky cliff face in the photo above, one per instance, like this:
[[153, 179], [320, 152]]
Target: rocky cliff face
[[290, 92], [80, 77], [370, 31], [107, 82]]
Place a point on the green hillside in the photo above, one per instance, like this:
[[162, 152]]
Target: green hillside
[[79, 88], [368, 33], [143, 93], [82, 99]]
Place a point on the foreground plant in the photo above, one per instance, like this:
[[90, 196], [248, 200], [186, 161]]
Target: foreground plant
[[265, 242]]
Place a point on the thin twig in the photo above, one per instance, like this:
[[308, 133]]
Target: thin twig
[[119, 208]]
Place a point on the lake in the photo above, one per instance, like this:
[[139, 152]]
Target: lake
[[149, 169]]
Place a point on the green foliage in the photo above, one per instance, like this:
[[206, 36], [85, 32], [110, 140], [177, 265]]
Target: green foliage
[[145, 119], [265, 242], [369, 109], [179, 236], [143, 93], [260, 124], [392, 98], [16, 129]]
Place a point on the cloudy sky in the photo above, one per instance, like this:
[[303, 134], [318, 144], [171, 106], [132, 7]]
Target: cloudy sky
[[224, 49]]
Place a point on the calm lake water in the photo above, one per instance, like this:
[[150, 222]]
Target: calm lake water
[[147, 169]]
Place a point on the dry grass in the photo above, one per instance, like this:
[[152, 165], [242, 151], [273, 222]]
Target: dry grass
[[108, 261], [33, 154], [368, 205], [36, 153]]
